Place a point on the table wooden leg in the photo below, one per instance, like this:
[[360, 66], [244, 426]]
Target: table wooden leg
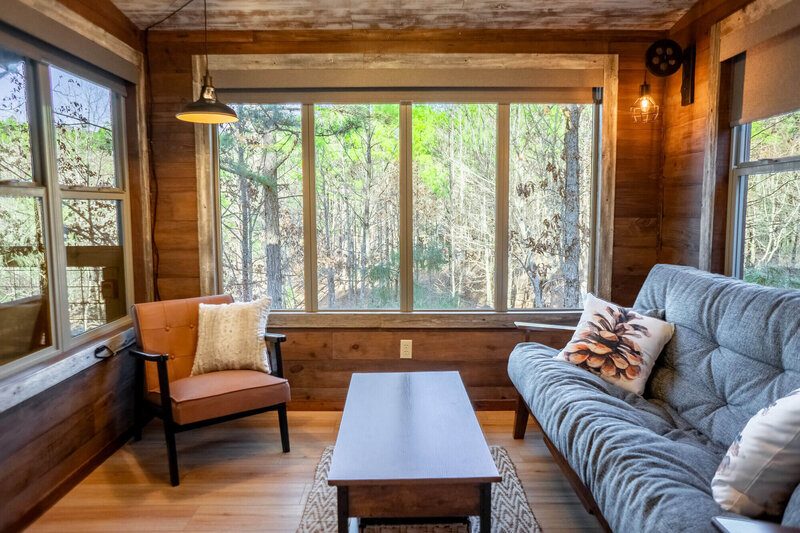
[[343, 509], [486, 508]]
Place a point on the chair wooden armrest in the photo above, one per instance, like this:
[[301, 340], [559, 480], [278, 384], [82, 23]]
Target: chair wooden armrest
[[144, 356], [732, 524], [276, 359], [274, 337]]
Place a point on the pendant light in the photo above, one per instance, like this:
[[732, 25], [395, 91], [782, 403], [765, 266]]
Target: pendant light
[[644, 109], [207, 109]]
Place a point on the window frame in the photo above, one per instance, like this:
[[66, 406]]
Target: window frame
[[500, 296], [741, 168], [235, 68], [45, 186]]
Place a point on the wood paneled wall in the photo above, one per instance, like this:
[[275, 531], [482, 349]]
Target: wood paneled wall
[[684, 143], [52, 440], [318, 363]]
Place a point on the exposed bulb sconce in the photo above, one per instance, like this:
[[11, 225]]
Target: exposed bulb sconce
[[207, 109], [645, 109], [663, 58]]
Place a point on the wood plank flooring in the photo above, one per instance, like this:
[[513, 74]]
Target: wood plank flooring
[[235, 478]]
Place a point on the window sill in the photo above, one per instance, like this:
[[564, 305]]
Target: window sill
[[28, 382], [419, 319]]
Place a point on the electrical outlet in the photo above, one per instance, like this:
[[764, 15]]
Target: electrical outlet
[[405, 349]]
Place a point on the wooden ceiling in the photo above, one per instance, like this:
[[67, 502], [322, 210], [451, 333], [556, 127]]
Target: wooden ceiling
[[401, 14]]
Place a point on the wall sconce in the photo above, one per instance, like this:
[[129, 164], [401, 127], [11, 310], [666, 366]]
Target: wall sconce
[[663, 58], [645, 109]]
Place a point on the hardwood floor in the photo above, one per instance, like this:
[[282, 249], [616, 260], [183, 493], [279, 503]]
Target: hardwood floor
[[235, 478]]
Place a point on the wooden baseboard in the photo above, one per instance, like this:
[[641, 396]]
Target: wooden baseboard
[[59, 491]]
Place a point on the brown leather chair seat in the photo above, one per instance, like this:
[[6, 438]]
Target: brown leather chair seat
[[223, 393]]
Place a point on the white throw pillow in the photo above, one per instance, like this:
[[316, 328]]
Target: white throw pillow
[[616, 343], [231, 337], [762, 466]]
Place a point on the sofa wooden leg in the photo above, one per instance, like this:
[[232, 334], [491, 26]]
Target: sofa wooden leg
[[520, 418], [172, 455], [284, 423]]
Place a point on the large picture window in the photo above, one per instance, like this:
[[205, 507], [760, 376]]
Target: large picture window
[[447, 163], [261, 205], [766, 201], [357, 175], [63, 204]]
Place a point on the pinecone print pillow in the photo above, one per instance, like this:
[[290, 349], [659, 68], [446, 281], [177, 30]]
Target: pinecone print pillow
[[617, 343]]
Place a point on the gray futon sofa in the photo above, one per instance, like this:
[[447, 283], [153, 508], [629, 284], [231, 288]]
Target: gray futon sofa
[[645, 463]]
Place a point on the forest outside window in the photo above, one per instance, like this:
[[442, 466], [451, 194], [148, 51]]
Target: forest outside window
[[353, 155], [63, 207], [765, 246]]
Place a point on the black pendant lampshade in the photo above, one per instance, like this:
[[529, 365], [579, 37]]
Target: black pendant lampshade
[[207, 109]]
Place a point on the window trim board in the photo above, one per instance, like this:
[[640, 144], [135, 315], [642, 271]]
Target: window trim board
[[601, 268]]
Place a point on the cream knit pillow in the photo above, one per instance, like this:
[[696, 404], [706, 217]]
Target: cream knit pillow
[[231, 337]]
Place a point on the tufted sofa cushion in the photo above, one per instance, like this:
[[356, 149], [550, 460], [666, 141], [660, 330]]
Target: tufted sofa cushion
[[646, 467], [736, 347]]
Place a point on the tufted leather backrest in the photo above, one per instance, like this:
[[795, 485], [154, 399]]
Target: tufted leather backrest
[[736, 347], [170, 327]]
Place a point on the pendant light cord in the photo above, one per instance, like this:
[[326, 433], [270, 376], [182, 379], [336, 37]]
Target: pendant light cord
[[149, 128], [205, 32]]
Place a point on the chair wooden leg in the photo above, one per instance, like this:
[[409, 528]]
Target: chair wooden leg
[[138, 401], [172, 455], [520, 418], [284, 423]]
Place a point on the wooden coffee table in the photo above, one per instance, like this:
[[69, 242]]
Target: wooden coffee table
[[410, 447]]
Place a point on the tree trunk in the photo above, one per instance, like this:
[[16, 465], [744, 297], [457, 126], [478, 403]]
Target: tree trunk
[[571, 243], [246, 245], [272, 242]]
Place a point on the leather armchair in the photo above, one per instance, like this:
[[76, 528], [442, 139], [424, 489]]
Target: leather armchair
[[166, 337]]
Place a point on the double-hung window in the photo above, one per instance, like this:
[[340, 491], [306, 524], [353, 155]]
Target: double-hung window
[[765, 200], [468, 204], [64, 263]]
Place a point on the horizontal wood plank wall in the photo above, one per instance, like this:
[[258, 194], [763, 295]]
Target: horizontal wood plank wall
[[319, 362], [684, 138], [52, 440]]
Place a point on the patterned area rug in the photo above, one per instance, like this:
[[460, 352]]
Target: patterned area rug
[[510, 510]]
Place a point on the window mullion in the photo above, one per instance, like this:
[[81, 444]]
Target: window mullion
[[501, 210], [309, 209], [121, 168], [405, 215], [56, 248]]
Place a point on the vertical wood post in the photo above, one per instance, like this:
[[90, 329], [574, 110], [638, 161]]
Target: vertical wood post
[[710, 152]]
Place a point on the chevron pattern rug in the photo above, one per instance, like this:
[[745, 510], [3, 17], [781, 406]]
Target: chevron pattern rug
[[510, 510]]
